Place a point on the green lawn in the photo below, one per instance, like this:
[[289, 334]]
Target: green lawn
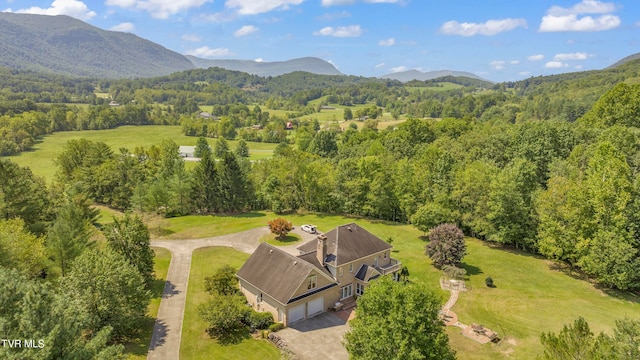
[[195, 343], [41, 158], [529, 297], [138, 350]]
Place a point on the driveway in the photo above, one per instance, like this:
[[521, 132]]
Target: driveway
[[165, 341], [318, 337]]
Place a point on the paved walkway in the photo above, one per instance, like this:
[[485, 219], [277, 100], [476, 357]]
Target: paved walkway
[[165, 341]]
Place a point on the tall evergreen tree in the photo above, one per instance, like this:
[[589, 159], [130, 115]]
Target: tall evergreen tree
[[204, 186], [233, 184], [69, 236]]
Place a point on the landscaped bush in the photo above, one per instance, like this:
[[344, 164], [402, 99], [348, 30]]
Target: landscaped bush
[[489, 281], [259, 320], [276, 327]]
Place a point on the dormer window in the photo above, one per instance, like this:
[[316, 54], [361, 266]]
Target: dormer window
[[313, 281]]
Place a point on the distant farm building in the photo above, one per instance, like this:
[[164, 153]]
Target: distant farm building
[[326, 107], [187, 151], [208, 116], [114, 103]]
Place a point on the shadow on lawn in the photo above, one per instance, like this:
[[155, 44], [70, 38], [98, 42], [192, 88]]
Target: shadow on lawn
[[471, 269], [235, 337]]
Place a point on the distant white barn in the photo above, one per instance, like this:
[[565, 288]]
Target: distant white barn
[[187, 151]]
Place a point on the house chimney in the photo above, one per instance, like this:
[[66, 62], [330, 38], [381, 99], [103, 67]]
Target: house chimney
[[321, 248]]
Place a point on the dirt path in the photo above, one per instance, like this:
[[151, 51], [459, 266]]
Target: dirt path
[[165, 341]]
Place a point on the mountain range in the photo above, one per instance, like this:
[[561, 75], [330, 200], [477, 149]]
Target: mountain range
[[405, 76], [68, 46], [275, 68]]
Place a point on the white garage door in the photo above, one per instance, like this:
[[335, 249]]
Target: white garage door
[[295, 314], [316, 306]]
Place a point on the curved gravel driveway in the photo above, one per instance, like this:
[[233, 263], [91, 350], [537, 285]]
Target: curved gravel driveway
[[165, 341]]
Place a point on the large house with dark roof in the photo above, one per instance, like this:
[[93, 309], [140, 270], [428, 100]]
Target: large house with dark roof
[[334, 267]]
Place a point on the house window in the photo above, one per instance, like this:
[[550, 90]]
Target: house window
[[350, 267], [312, 282], [359, 289], [340, 272], [385, 255], [259, 298], [346, 291]]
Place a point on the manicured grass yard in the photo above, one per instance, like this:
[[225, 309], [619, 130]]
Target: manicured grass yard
[[41, 158], [196, 343], [138, 350], [529, 297]]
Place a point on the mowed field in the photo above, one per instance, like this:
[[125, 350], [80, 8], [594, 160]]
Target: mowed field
[[530, 297], [41, 158]]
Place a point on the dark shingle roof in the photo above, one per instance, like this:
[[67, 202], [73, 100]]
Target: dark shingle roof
[[366, 273], [347, 243], [277, 273]]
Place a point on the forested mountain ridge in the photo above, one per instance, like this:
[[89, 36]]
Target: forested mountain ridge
[[270, 68], [625, 60], [65, 45], [405, 76]]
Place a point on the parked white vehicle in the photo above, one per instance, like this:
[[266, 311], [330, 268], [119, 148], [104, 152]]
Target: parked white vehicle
[[311, 229]]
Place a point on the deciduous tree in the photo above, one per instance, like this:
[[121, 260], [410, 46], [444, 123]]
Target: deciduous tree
[[446, 245], [109, 290], [403, 320], [129, 237], [280, 227]]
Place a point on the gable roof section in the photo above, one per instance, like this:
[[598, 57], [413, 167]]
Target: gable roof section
[[366, 273], [275, 272], [348, 243]]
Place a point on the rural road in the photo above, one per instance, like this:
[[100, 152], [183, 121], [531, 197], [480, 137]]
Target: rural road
[[165, 341]]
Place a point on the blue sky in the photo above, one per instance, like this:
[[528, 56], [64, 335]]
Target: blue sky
[[500, 40]]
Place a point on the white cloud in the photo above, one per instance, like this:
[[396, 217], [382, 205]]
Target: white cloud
[[337, 2], [219, 17], [568, 19], [334, 64], [578, 67], [536, 57], [340, 31], [583, 7], [555, 65], [524, 73], [378, 66], [399, 69], [638, 24], [573, 56], [73, 8], [334, 16], [387, 42], [208, 53], [349, 2], [160, 9], [252, 7], [124, 27], [552, 23], [191, 38], [259, 60], [514, 62], [245, 30], [498, 64], [489, 28]]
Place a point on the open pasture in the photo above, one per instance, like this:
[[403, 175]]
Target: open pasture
[[41, 158]]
